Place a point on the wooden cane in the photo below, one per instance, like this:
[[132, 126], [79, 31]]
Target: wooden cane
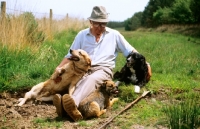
[[127, 107]]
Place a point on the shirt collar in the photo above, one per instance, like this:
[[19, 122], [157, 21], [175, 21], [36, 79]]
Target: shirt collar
[[89, 33]]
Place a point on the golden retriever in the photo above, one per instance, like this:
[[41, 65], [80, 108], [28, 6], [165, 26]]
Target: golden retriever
[[63, 80]]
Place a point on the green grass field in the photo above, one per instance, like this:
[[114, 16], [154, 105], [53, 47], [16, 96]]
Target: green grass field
[[175, 62], [174, 58]]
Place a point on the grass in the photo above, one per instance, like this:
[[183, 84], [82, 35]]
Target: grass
[[184, 114], [174, 59], [175, 65], [20, 69], [47, 123]]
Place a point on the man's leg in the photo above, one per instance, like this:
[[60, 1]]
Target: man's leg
[[88, 84], [83, 89]]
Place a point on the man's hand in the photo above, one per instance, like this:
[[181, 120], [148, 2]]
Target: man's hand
[[149, 72]]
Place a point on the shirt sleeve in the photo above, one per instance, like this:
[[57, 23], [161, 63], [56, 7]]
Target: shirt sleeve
[[75, 45], [123, 46]]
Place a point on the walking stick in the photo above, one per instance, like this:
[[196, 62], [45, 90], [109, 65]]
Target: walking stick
[[127, 107]]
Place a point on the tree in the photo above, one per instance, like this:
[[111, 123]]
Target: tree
[[181, 12], [194, 7], [148, 18], [134, 22], [163, 16], [127, 24]]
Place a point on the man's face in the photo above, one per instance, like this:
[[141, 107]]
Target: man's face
[[98, 27]]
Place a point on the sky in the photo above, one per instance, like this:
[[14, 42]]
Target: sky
[[119, 10]]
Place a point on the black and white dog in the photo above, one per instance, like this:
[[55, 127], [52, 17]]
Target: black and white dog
[[135, 71]]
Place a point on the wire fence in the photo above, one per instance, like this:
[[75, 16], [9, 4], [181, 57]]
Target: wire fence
[[9, 11], [36, 14]]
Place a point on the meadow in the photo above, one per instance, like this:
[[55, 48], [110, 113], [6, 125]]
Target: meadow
[[174, 86]]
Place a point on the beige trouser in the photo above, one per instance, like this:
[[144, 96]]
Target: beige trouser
[[94, 78]]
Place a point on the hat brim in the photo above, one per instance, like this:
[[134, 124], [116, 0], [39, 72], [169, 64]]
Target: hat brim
[[98, 20]]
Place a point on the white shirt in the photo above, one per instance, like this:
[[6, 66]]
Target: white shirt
[[105, 51]]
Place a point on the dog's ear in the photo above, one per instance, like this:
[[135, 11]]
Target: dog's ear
[[104, 84], [89, 62], [138, 56], [142, 60]]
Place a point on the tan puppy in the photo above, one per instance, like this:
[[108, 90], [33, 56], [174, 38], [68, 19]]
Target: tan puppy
[[63, 80], [96, 103]]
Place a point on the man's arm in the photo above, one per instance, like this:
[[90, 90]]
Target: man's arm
[[149, 71], [64, 61]]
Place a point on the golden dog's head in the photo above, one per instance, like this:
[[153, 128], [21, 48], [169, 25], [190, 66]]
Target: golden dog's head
[[110, 87], [81, 59]]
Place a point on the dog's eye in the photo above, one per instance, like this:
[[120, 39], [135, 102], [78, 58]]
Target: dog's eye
[[110, 86], [80, 53]]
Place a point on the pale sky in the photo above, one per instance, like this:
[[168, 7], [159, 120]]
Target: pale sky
[[119, 10]]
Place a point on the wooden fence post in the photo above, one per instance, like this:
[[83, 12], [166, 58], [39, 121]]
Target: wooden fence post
[[50, 26], [3, 10], [67, 16], [50, 17]]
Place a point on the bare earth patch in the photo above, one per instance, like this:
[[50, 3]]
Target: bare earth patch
[[35, 115], [43, 115]]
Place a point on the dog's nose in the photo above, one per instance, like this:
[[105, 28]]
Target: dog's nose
[[70, 50]]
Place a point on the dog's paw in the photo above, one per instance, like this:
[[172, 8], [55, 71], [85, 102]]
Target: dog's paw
[[57, 73], [117, 83], [115, 99], [38, 101], [20, 104], [137, 89], [104, 110], [54, 76], [20, 99]]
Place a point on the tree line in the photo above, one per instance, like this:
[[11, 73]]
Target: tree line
[[159, 12]]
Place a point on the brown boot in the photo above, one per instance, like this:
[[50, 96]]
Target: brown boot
[[57, 102], [70, 107]]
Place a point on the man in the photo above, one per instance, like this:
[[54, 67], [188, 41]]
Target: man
[[102, 44]]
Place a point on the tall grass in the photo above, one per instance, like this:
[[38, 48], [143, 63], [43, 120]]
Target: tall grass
[[25, 68], [13, 31], [24, 30], [184, 114], [26, 42]]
